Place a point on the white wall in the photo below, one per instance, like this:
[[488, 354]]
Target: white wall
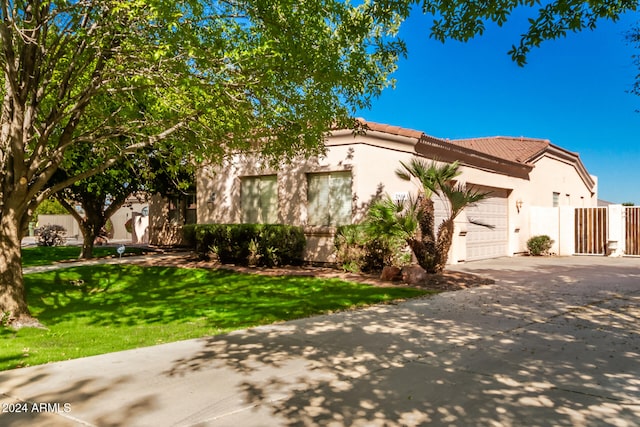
[[65, 220], [119, 218], [557, 223]]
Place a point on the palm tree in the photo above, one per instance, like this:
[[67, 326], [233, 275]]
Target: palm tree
[[415, 221], [458, 197]]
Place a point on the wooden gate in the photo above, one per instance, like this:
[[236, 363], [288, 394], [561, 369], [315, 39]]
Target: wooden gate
[[591, 231], [632, 230]]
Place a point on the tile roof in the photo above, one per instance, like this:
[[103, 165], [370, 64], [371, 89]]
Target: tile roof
[[515, 149], [393, 130], [519, 150], [511, 155]]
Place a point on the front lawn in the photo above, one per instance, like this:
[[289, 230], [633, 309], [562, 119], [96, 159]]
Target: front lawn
[[99, 309], [45, 255]]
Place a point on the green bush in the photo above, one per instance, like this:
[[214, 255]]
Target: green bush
[[357, 251], [260, 244], [51, 235], [189, 233], [539, 245], [350, 243], [49, 207]]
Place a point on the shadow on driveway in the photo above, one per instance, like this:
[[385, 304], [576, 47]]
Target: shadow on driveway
[[550, 343]]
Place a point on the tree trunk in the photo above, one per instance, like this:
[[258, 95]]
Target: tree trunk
[[87, 243], [14, 311], [426, 219], [90, 228], [445, 238], [424, 253], [424, 247]]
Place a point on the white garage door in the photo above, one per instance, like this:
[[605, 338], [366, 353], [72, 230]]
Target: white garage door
[[484, 242]]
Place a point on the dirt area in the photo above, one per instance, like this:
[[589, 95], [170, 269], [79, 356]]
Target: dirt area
[[448, 281]]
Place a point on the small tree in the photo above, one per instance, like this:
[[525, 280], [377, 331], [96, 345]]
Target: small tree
[[99, 196], [414, 220]]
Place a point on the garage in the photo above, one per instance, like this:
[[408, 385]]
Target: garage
[[484, 242]]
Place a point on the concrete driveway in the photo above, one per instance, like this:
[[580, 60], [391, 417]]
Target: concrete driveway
[[555, 342]]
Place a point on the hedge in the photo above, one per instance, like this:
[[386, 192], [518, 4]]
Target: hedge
[[245, 244]]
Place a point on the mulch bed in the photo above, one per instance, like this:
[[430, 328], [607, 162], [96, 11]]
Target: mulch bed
[[447, 281]]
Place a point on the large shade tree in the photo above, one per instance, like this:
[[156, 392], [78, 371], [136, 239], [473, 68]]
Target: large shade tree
[[547, 20], [116, 76], [222, 76]]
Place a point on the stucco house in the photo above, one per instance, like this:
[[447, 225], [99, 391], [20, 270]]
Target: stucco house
[[323, 192]]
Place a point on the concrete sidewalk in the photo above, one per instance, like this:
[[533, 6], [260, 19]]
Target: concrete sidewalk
[[129, 259], [555, 342]]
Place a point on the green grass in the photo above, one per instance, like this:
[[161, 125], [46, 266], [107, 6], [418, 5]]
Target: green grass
[[99, 309], [45, 255]]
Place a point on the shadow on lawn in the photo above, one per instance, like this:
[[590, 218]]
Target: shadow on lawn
[[507, 354], [131, 295]]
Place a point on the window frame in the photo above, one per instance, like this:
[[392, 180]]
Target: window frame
[[264, 184], [338, 188]]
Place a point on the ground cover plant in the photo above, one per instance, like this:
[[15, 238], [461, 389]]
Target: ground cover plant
[[99, 309], [45, 255]]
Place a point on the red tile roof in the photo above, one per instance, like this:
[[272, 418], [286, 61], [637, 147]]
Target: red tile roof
[[515, 149], [393, 130], [520, 152]]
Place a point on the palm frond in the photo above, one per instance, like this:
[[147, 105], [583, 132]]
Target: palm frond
[[480, 223], [389, 218]]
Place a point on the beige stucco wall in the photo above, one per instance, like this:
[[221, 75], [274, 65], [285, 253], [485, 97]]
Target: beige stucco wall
[[162, 231], [555, 175], [372, 160], [118, 219]]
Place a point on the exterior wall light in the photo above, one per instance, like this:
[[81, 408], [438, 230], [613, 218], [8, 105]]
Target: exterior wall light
[[211, 201], [519, 205]]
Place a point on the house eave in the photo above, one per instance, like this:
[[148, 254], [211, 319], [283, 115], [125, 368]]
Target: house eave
[[569, 157], [438, 149]]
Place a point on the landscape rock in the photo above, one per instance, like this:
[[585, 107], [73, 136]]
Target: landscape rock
[[413, 274], [391, 273]]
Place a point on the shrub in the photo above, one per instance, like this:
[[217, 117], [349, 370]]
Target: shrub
[[51, 235], [539, 245], [357, 250], [189, 233], [350, 243], [259, 244]]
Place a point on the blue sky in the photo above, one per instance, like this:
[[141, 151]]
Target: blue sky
[[573, 91]]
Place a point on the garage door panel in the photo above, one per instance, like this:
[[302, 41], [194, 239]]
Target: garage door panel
[[488, 242]]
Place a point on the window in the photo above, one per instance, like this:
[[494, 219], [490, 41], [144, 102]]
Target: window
[[182, 209], [329, 198], [556, 199], [259, 195]]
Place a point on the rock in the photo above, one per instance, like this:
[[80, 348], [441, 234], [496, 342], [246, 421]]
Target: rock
[[413, 274], [391, 273]]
